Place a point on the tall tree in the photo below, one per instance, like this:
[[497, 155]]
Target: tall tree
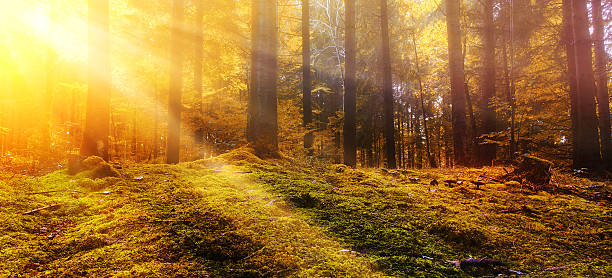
[[197, 67], [262, 123], [306, 75], [389, 128], [457, 76], [488, 151], [350, 87], [568, 39], [176, 84], [587, 145], [95, 136], [603, 101]]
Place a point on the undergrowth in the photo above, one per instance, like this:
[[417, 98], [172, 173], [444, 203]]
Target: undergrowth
[[239, 216]]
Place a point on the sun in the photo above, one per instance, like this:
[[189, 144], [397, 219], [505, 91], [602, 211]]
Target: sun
[[26, 23]]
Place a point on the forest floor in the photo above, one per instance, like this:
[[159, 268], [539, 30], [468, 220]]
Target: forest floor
[[238, 216]]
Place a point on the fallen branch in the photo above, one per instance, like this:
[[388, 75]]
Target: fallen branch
[[252, 254], [52, 191], [491, 178], [39, 209]]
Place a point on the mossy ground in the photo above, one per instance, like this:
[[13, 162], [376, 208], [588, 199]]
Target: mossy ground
[[280, 218]]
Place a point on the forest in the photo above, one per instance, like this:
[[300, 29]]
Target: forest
[[305, 138]]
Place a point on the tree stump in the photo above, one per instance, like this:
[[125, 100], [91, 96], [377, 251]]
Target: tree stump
[[534, 170]]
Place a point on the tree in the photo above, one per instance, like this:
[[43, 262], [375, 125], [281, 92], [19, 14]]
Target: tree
[[487, 150], [568, 39], [176, 84], [97, 119], [587, 143], [457, 76], [389, 128], [306, 75], [603, 101], [350, 87], [197, 68], [262, 122]]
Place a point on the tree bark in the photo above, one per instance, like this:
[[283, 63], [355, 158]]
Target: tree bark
[[603, 101], [488, 151], [307, 76], [350, 87], [568, 38], [457, 76], [262, 125], [588, 148], [473, 127], [95, 136], [176, 84], [389, 128]]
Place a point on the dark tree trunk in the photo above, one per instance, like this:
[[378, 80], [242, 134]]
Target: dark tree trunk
[[457, 76], [473, 127], [176, 84], [95, 136], [387, 88], [307, 76], [262, 126], [568, 38], [350, 87], [488, 151], [603, 101], [197, 70], [587, 145]]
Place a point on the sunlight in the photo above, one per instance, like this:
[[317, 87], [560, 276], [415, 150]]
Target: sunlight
[[31, 22]]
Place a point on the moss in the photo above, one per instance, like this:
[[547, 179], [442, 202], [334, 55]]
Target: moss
[[285, 219], [93, 162], [92, 167]]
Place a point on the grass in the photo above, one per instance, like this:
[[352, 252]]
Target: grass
[[280, 218]]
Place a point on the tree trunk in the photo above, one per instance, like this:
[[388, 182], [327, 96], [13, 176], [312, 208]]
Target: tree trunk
[[176, 84], [95, 136], [350, 87], [306, 76], [603, 101], [568, 38], [156, 126], [262, 125], [387, 87], [473, 127], [587, 137], [512, 99], [488, 151], [197, 71], [457, 76]]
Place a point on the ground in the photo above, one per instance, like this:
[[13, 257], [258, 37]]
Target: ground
[[239, 216]]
